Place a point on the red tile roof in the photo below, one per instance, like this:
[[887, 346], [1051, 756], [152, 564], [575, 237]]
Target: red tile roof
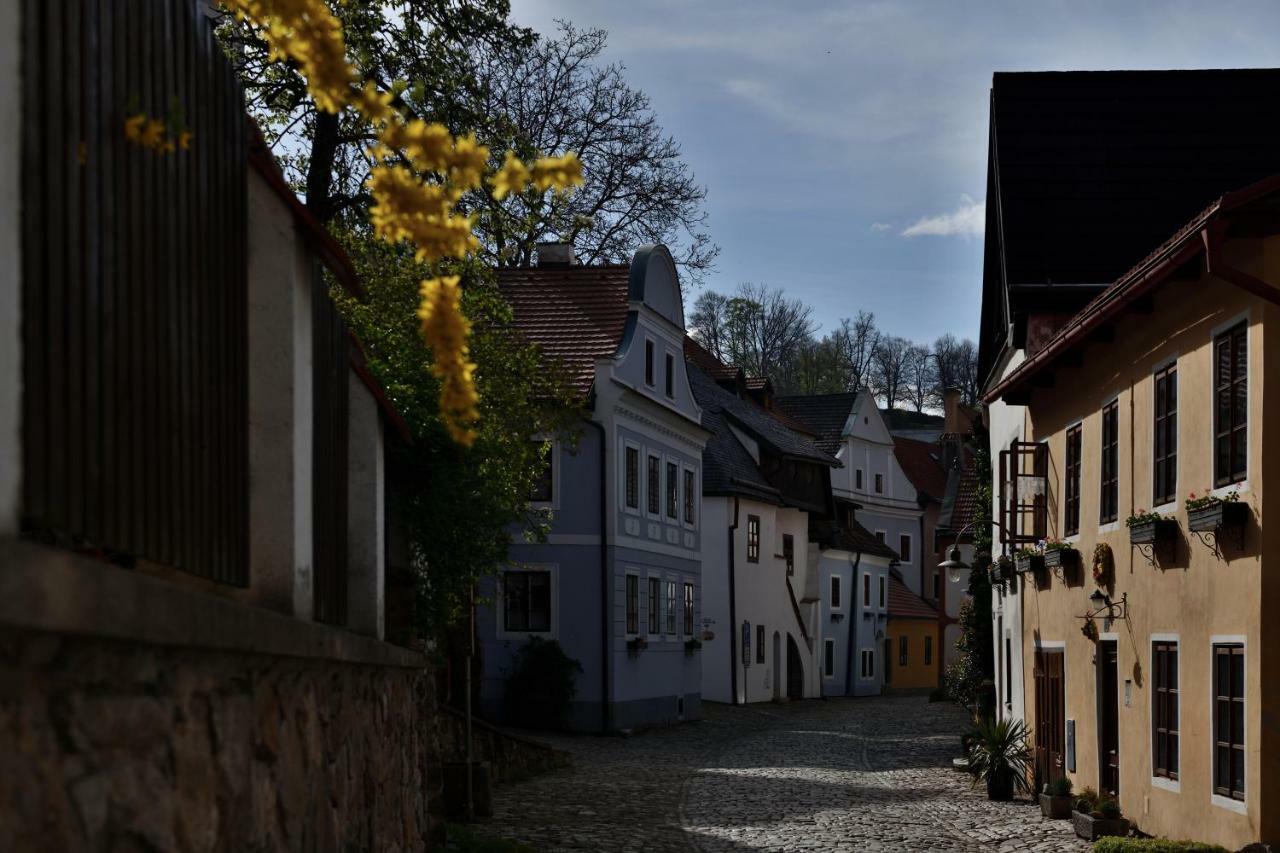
[[905, 604], [921, 462], [575, 314]]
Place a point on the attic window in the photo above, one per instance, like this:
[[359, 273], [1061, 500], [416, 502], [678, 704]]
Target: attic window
[[648, 363], [879, 484], [671, 375]]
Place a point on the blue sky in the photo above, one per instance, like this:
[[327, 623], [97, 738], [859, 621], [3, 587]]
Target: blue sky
[[844, 144]]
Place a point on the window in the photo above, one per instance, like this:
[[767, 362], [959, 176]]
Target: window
[[688, 610], [759, 644], [1230, 411], [543, 488], [883, 582], [829, 658], [857, 479], [1071, 488], [753, 538], [655, 598], [633, 604], [866, 590], [690, 496], [1228, 720], [671, 375], [648, 363], [902, 650], [904, 548], [880, 536], [789, 552], [1164, 487], [1164, 709], [671, 607], [928, 650], [633, 477], [1110, 501], [835, 592], [527, 601], [879, 484], [673, 490], [868, 663], [654, 484]]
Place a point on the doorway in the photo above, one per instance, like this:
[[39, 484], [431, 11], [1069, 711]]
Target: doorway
[[795, 670], [777, 666], [1051, 713], [1109, 716]]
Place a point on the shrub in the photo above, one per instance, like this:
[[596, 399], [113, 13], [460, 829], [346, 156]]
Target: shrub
[[1060, 787], [1087, 801], [1114, 844], [1000, 756], [1108, 808], [541, 685]]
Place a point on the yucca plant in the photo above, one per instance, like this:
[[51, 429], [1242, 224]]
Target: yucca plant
[[1000, 756]]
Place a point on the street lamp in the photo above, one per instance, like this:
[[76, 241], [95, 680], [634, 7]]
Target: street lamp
[[953, 565]]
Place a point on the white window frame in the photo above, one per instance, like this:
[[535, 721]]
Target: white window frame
[[553, 592], [828, 658], [671, 612], [1162, 782], [859, 480], [668, 460], [667, 353], [883, 591], [834, 583], [1228, 803], [650, 345], [1169, 507], [1243, 486], [877, 480], [866, 590], [865, 655], [691, 588], [912, 547], [697, 491], [640, 476], [640, 611], [650, 453], [1062, 495], [649, 578], [1109, 526]]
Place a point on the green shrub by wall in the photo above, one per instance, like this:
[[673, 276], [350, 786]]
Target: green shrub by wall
[[1153, 845]]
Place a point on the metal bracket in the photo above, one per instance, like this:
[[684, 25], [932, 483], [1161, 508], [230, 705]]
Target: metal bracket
[[1212, 539]]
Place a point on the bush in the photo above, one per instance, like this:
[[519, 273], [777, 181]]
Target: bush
[[1113, 844], [1060, 787], [1087, 802], [1109, 809], [541, 685]]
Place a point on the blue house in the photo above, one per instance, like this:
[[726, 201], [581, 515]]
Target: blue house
[[618, 581]]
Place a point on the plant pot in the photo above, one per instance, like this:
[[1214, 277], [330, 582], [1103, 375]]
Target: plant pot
[[1056, 808], [1061, 558], [1217, 516], [1092, 828], [1000, 787], [1153, 532], [1034, 563]]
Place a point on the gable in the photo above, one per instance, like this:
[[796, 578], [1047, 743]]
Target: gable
[[866, 423], [655, 284]]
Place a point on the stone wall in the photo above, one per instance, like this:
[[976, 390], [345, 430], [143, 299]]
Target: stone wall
[[121, 745]]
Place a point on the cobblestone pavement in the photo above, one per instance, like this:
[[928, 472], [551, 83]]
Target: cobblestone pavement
[[836, 775]]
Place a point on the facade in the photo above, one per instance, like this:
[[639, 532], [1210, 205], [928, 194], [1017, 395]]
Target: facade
[[911, 649], [618, 582], [762, 482], [1153, 392], [194, 541]]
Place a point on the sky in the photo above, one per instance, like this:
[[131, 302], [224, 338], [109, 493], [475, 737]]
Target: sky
[[844, 145]]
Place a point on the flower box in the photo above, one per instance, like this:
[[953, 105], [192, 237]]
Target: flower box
[[1092, 828], [1061, 558], [1154, 532], [636, 645], [1056, 808], [692, 645], [1219, 515], [1030, 563]]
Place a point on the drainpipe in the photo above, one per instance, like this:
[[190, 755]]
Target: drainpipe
[[733, 614], [606, 710], [853, 627]]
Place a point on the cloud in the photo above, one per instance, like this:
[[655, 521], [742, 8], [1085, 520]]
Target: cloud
[[881, 226], [967, 220]]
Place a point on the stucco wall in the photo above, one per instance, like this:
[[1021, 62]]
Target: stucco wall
[[917, 674], [866, 625], [1193, 593]]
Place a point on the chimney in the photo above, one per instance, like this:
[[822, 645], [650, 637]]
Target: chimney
[[552, 255]]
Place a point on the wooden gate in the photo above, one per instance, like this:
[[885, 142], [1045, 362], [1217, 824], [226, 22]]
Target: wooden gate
[[1050, 726]]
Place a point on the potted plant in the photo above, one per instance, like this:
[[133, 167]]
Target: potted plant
[[1028, 560], [1150, 528], [1061, 555], [999, 756], [1090, 630], [691, 645], [1097, 815], [1056, 799], [636, 645], [1212, 513]]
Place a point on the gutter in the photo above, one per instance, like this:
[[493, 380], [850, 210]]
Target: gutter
[[733, 614], [606, 709]]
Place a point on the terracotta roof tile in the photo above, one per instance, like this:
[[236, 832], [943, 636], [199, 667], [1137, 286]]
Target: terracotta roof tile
[[905, 604], [921, 462]]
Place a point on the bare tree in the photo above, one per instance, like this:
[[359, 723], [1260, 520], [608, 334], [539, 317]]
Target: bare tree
[[855, 342], [888, 369], [709, 323], [919, 375], [556, 96], [757, 329], [956, 366], [815, 367]]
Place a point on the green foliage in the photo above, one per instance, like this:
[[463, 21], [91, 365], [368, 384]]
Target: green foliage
[[462, 839], [998, 749], [459, 507], [1087, 801], [541, 685], [1097, 804], [1060, 787], [1115, 844], [969, 678]]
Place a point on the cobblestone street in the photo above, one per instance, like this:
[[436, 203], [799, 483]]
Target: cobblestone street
[[839, 775]]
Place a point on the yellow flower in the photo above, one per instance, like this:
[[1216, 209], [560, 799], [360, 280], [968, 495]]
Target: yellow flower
[[184, 140], [559, 173], [406, 208], [152, 133], [513, 177], [133, 127], [446, 331], [373, 104]]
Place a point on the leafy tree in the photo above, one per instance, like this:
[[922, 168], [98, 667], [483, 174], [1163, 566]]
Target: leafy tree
[[541, 685], [461, 506], [970, 677]]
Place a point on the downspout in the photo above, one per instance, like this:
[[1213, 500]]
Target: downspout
[[606, 709], [853, 598], [733, 613]]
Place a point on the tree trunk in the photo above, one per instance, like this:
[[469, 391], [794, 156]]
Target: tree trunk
[[324, 150]]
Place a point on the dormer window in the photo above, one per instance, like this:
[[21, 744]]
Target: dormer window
[[879, 484], [648, 363], [857, 479], [671, 375]]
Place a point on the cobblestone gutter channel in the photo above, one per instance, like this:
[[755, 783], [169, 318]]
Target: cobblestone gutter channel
[[848, 775]]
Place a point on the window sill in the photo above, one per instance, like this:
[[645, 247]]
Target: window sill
[[1109, 527], [1222, 491], [1230, 804], [1165, 784], [1166, 508]]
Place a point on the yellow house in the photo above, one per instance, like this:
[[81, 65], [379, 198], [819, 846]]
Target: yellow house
[[911, 640], [1168, 695]]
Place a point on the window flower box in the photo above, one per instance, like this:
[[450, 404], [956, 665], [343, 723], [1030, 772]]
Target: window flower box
[[1092, 828], [1063, 558], [692, 645], [1216, 516], [1150, 528], [1029, 562], [636, 645]]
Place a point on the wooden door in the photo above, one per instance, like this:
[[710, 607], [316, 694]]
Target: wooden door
[[1051, 713], [1109, 717]]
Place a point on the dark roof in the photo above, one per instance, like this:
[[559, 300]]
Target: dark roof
[[849, 536], [960, 503], [824, 414], [904, 420], [574, 314], [905, 604], [1087, 170], [697, 354], [921, 461]]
